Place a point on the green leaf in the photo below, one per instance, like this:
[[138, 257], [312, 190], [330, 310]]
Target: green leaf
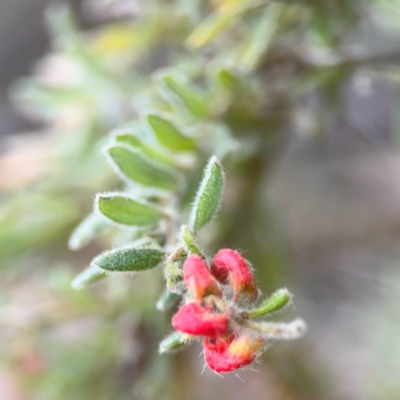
[[174, 276], [279, 330], [126, 210], [168, 134], [259, 42], [129, 259], [189, 241], [176, 87], [167, 300], [61, 23], [228, 79], [138, 168], [209, 29], [175, 341], [89, 275], [121, 136], [208, 196], [91, 226], [220, 21], [44, 100], [277, 301]]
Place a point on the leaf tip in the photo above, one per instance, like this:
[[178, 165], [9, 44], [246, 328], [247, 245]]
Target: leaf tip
[[208, 196]]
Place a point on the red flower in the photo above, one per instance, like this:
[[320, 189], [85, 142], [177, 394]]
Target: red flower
[[229, 265], [228, 354], [224, 349], [199, 279], [230, 339], [194, 319]]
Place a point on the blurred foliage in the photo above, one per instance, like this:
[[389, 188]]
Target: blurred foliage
[[234, 76]]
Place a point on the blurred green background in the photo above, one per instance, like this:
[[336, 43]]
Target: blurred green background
[[309, 110]]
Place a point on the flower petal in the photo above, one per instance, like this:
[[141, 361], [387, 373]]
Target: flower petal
[[234, 352], [194, 319], [198, 278], [230, 265]]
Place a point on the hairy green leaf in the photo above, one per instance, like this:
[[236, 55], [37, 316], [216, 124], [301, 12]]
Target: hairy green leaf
[[174, 341], [129, 259], [126, 210], [169, 135], [277, 301], [174, 275], [139, 168], [208, 196], [189, 241], [133, 140]]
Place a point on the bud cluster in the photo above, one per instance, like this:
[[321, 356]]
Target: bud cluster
[[212, 310]]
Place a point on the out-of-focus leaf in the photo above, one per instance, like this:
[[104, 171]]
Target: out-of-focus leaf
[[167, 300], [66, 34], [62, 25], [129, 259], [33, 220], [38, 99], [116, 40], [208, 196], [260, 40], [139, 169], [91, 226], [126, 210], [89, 275], [225, 6], [209, 29], [168, 134], [225, 15], [176, 88], [227, 79]]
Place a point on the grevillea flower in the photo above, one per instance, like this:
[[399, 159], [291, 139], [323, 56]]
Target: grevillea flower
[[229, 265], [231, 340], [198, 278], [195, 319], [231, 353]]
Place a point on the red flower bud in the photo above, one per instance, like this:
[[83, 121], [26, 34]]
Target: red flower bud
[[198, 278], [226, 355], [230, 265], [194, 319]]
